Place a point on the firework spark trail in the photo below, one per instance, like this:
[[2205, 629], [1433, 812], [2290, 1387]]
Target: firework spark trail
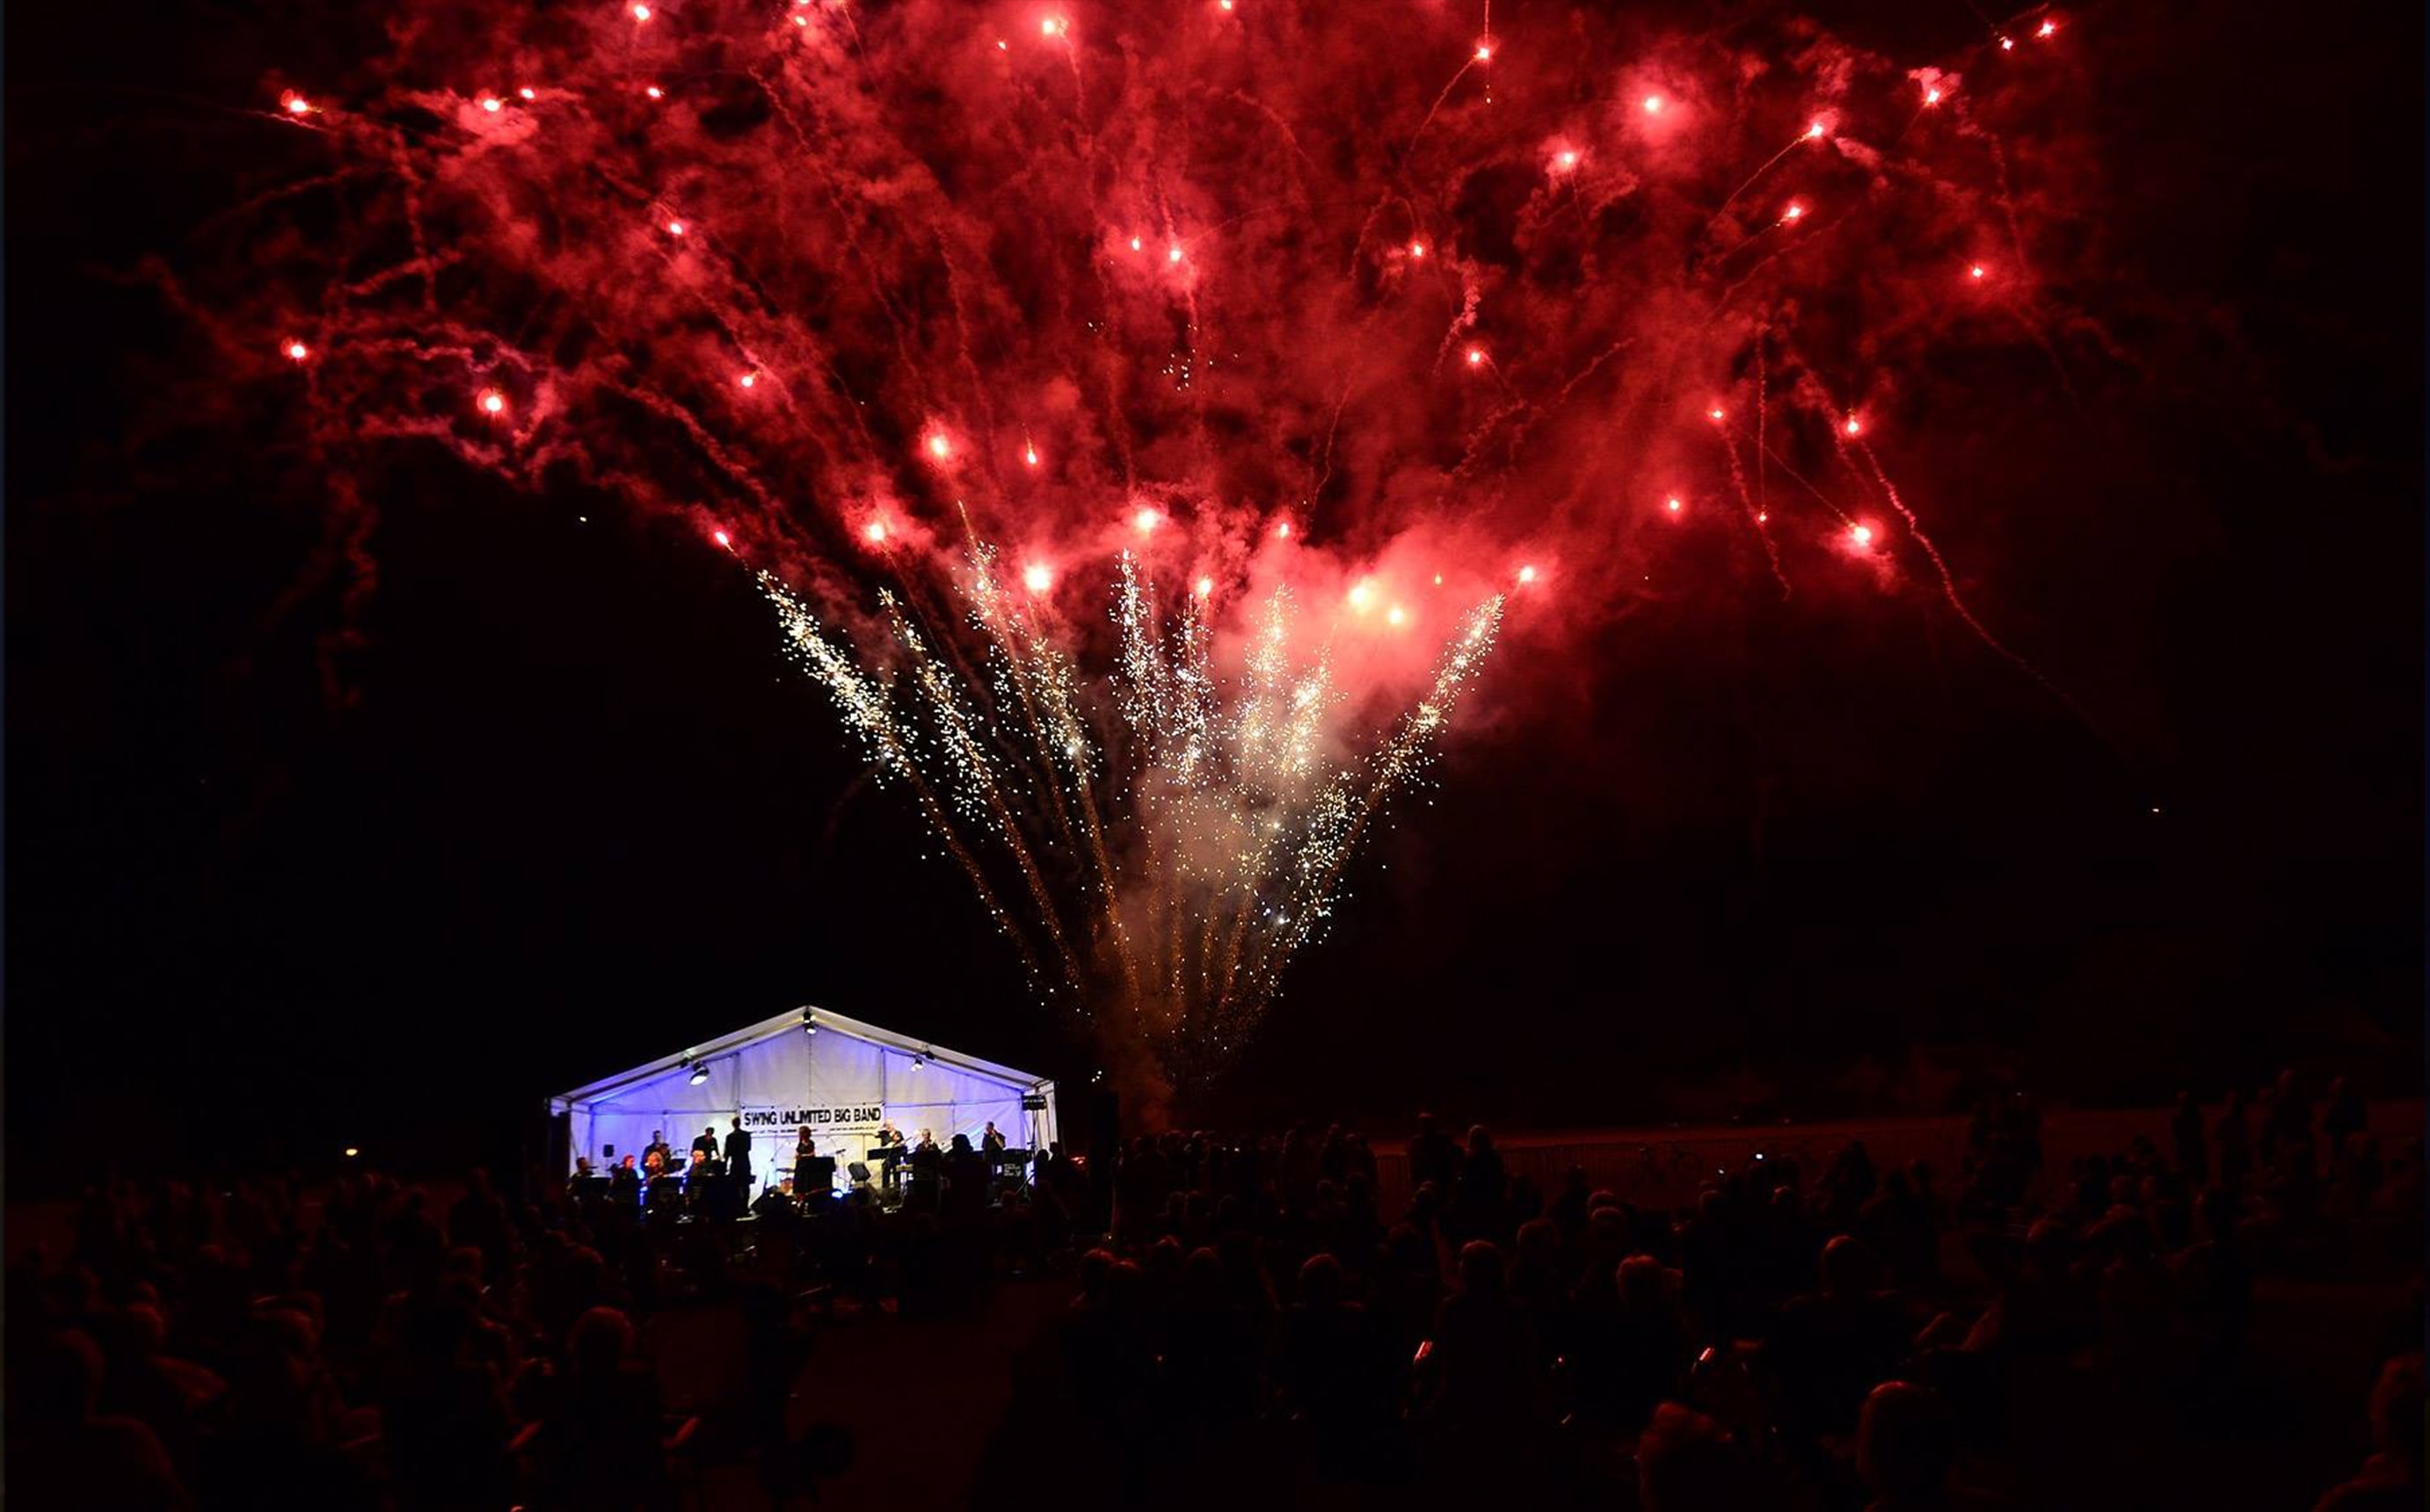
[[852, 300]]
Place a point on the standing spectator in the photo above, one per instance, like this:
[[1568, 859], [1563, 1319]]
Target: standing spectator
[[2194, 1157]]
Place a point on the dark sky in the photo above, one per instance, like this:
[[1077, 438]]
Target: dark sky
[[577, 812]]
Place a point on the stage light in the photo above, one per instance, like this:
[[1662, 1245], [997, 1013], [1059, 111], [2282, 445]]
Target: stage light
[[699, 1072], [810, 1020], [919, 1059], [352, 1152]]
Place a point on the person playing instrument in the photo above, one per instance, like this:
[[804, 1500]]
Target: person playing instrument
[[991, 1141], [706, 1142]]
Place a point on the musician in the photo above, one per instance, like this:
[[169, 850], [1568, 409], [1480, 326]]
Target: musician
[[887, 1134], [655, 1163], [805, 1151], [737, 1155], [992, 1141], [624, 1183], [706, 1142], [659, 1146]]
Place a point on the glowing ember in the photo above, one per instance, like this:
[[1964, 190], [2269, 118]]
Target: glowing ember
[[297, 351], [1038, 578], [492, 402]]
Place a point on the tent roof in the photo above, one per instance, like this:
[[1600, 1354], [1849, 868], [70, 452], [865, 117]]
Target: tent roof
[[791, 1022]]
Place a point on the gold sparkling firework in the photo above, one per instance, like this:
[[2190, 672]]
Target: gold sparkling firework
[[1177, 848]]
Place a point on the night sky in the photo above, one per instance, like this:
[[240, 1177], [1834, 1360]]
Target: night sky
[[566, 807]]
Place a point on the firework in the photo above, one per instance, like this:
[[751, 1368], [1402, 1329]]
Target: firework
[[1234, 818], [1264, 323]]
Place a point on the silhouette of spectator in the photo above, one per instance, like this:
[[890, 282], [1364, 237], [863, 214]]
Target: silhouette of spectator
[[2235, 1134], [2185, 1132], [62, 1452], [1685, 1462], [1907, 1452], [2391, 1477]]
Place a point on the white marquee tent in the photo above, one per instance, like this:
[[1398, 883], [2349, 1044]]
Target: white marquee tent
[[811, 1069]]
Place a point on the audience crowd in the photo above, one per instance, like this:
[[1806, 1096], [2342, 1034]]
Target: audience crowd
[[1252, 1317]]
